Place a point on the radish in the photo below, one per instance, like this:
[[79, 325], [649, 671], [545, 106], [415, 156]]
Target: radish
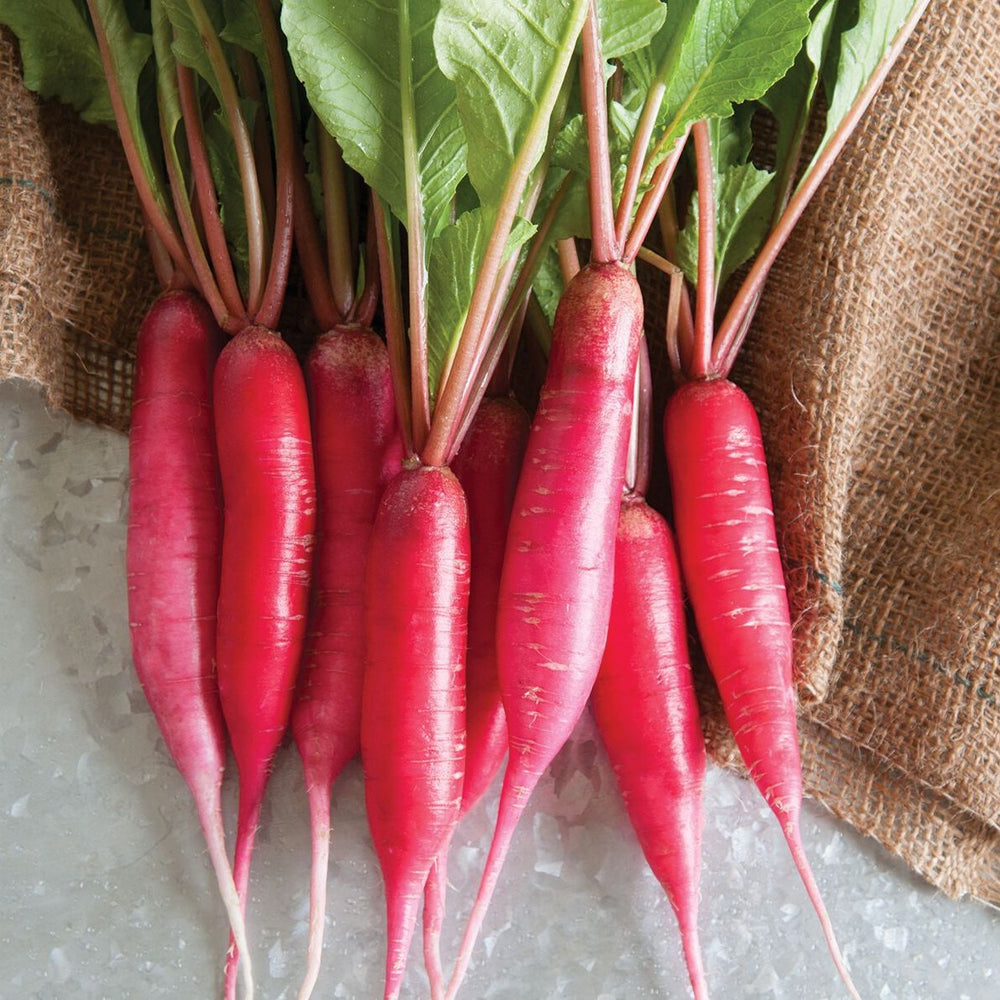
[[644, 701], [353, 422], [555, 591], [268, 485], [413, 709], [172, 557], [732, 569], [646, 712], [487, 466]]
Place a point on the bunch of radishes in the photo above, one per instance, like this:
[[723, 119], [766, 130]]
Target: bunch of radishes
[[397, 564]]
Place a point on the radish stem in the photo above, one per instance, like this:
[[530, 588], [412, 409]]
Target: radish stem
[[268, 310], [732, 329], [650, 203], [253, 205], [416, 253], [310, 254], [249, 82], [395, 332], [569, 259], [705, 301], [339, 252], [637, 155], [152, 205], [364, 308], [604, 241], [204, 185]]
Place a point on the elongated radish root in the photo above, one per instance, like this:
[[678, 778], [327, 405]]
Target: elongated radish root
[[413, 707], [646, 711], [172, 556], [487, 466], [269, 492], [353, 421], [733, 575], [555, 592]]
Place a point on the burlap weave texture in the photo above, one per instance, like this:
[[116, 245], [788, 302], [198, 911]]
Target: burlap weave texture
[[874, 362]]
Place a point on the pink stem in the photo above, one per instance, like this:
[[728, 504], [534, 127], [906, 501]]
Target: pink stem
[[605, 247], [364, 308], [151, 207], [309, 244], [733, 330], [395, 334], [650, 203], [204, 185], [705, 303], [269, 310], [569, 259], [637, 158]]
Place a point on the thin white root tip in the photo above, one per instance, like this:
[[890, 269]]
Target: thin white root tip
[[319, 814], [794, 839], [509, 813], [211, 824]]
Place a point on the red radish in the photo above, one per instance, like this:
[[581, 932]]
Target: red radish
[[732, 571], [487, 466], [268, 484], [174, 545], [353, 420], [646, 711], [555, 592], [413, 707]]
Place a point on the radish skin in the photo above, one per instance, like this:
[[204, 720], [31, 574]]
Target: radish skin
[[733, 575], [555, 591], [413, 706], [172, 559], [487, 466], [353, 421], [268, 484], [647, 715]]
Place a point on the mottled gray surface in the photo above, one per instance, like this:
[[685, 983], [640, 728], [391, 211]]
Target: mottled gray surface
[[108, 891]]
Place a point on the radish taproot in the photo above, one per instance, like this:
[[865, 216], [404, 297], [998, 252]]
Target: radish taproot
[[487, 466], [644, 700], [353, 421], [647, 715], [555, 590], [733, 575], [172, 557], [269, 493], [413, 707]]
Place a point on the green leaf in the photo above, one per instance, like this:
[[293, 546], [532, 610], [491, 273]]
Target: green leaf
[[790, 100], [507, 59], [744, 199], [712, 54], [314, 171], [130, 52], [229, 191], [548, 285], [570, 152], [242, 27], [861, 49], [59, 55], [188, 47], [628, 25], [347, 54], [455, 259]]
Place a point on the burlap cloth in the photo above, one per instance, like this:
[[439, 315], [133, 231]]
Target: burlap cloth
[[875, 364]]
